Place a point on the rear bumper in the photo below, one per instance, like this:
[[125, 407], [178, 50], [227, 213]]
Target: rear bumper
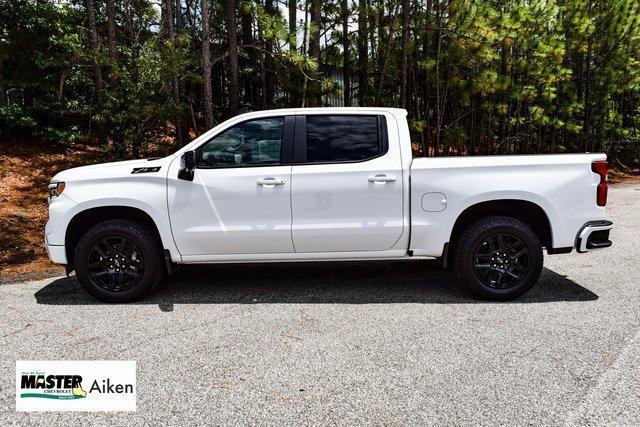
[[594, 235], [56, 253]]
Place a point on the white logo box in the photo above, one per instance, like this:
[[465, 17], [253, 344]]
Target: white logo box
[[75, 385]]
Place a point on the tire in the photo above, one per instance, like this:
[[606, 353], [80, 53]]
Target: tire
[[113, 276], [498, 258]]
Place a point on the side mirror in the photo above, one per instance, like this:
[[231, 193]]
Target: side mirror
[[187, 165]]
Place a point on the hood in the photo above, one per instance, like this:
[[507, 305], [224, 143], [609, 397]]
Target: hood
[[125, 168]]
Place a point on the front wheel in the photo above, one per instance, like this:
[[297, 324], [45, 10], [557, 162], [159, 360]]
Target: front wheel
[[498, 258], [118, 261]]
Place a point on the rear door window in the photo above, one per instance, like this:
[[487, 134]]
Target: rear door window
[[344, 138]]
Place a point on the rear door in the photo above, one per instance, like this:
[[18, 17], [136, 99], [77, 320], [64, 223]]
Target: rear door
[[346, 184]]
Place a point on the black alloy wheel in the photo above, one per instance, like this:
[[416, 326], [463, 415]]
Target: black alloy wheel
[[501, 261], [498, 258], [115, 264], [119, 260]]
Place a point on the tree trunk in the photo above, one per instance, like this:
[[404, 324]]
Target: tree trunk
[[263, 72], [405, 53], [246, 25], [380, 55], [346, 76], [61, 82], [234, 79], [3, 94], [184, 124], [268, 61], [587, 97], [111, 29], [438, 104], [171, 36], [502, 126], [384, 55], [305, 51], [293, 45], [93, 42], [207, 96], [363, 51], [315, 95], [293, 19]]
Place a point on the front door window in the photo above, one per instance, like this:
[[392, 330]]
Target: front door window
[[251, 143]]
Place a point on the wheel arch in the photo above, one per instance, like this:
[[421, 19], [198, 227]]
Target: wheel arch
[[85, 219], [525, 211]]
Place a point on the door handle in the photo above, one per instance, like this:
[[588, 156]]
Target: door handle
[[382, 178], [270, 182]]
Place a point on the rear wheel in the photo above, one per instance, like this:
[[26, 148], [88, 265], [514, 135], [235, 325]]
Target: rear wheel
[[118, 261], [498, 258]]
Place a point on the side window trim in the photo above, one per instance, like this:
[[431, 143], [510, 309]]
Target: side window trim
[[288, 134], [300, 140], [382, 132], [286, 147]]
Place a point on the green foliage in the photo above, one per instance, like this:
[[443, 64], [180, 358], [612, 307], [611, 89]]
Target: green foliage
[[483, 76], [13, 116]]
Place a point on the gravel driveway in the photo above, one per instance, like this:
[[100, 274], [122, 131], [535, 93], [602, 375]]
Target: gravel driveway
[[346, 343]]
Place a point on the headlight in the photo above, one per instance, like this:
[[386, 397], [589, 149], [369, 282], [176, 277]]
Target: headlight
[[55, 189]]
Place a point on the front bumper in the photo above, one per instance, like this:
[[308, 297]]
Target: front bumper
[[61, 210], [594, 235], [56, 253]]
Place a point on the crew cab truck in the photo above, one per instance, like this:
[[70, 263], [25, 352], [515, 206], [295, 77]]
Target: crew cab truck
[[323, 184]]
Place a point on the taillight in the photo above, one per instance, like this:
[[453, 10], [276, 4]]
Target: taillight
[[601, 168]]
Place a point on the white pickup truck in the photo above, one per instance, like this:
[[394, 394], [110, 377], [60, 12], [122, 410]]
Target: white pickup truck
[[323, 184]]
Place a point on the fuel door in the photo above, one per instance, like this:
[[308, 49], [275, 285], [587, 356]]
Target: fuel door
[[434, 202]]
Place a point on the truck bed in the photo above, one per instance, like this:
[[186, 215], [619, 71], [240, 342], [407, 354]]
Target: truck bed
[[442, 188]]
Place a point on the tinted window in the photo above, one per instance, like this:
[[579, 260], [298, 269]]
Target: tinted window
[[251, 143], [342, 138]]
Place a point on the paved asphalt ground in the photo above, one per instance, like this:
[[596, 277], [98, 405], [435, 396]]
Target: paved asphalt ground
[[347, 343]]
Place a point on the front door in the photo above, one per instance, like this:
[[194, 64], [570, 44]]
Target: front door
[[347, 182], [239, 201]]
